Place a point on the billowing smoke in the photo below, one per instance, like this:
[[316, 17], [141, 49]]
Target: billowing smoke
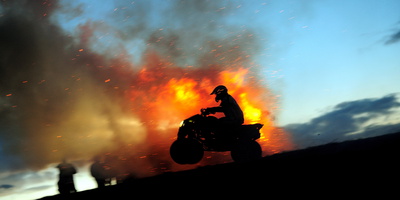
[[53, 105], [73, 95]]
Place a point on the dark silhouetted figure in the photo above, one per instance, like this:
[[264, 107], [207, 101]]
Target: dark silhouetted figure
[[98, 172], [110, 168], [66, 182], [233, 113]]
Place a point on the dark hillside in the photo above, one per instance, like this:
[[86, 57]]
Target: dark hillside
[[359, 166]]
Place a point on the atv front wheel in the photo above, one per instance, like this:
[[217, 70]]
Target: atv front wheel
[[186, 151], [246, 150]]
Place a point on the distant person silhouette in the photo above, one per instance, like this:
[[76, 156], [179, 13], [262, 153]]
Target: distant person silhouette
[[231, 109], [66, 182], [98, 172]]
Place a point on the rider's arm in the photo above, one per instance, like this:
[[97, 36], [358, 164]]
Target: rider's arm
[[215, 109]]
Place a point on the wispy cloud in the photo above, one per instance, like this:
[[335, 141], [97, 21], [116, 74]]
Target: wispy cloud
[[349, 120], [394, 38], [6, 186]]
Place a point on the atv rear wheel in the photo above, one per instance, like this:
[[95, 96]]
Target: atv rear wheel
[[246, 150], [186, 151]]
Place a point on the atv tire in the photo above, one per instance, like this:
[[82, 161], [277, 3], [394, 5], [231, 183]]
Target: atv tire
[[186, 151], [246, 150]]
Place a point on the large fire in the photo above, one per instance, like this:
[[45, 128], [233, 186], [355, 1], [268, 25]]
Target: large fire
[[164, 94]]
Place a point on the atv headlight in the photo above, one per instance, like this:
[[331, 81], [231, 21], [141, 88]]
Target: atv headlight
[[182, 123]]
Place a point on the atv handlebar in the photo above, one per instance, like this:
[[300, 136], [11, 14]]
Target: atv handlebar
[[206, 111]]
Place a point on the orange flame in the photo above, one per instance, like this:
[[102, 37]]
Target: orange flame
[[165, 94]]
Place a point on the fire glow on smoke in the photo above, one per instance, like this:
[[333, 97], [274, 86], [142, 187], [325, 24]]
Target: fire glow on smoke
[[61, 98], [162, 94]]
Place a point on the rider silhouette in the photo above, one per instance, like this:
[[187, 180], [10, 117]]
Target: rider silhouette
[[230, 108]]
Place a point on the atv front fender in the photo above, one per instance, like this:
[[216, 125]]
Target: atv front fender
[[183, 132]]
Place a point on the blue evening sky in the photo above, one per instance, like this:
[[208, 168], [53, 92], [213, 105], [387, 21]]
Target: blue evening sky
[[332, 51]]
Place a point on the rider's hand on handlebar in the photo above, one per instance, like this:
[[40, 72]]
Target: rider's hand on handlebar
[[204, 111]]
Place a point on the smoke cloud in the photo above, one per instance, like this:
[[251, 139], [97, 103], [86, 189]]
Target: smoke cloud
[[77, 93], [52, 104]]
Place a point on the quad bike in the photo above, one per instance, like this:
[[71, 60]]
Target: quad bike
[[202, 132]]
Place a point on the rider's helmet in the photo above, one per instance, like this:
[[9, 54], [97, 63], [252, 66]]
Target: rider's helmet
[[220, 91]]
